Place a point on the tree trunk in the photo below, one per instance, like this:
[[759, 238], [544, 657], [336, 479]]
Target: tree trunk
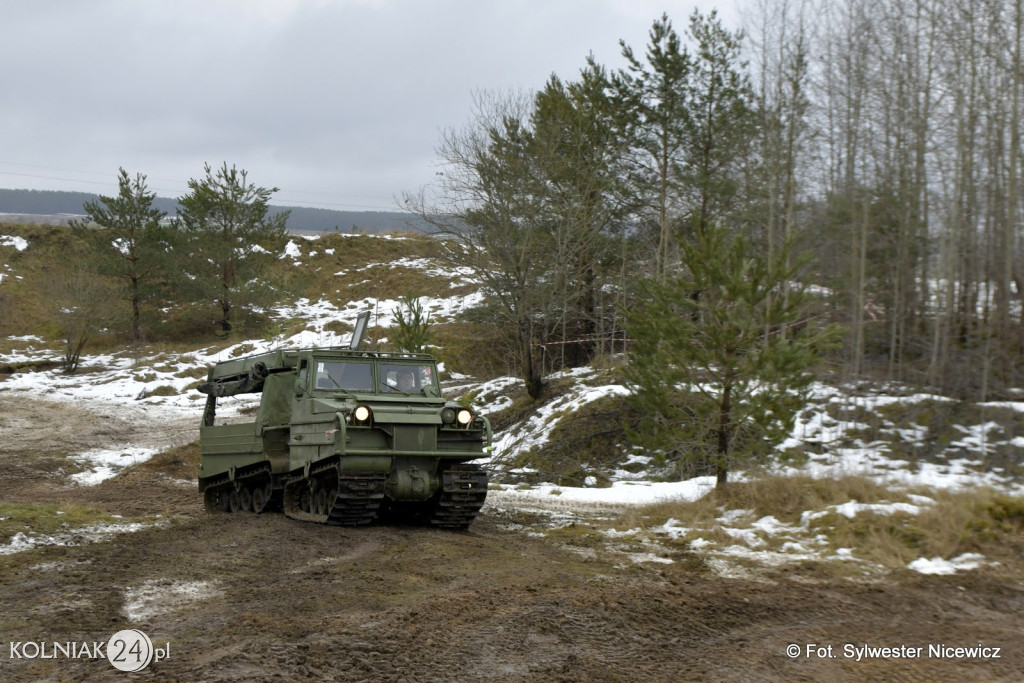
[[531, 368], [136, 325], [225, 321], [724, 429]]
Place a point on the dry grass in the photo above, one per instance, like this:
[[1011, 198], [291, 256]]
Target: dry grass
[[578, 535], [162, 390], [981, 521], [472, 349], [359, 267], [785, 498], [180, 462]]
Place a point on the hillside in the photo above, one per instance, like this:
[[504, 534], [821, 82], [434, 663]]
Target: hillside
[[47, 206], [889, 517]]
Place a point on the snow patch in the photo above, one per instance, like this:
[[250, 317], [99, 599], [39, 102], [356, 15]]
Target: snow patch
[[160, 596], [619, 493], [19, 243], [22, 541], [105, 464], [939, 566]]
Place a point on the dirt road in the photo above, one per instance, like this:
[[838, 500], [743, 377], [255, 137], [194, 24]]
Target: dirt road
[[267, 598]]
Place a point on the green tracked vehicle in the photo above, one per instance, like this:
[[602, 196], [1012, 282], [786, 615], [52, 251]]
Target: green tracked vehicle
[[343, 436]]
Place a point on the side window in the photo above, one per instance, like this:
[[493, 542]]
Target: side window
[[427, 377], [324, 379]]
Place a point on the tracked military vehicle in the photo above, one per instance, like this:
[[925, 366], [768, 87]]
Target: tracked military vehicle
[[343, 436]]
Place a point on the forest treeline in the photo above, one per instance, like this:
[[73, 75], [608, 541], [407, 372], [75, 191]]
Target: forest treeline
[[840, 183], [49, 203], [881, 137]]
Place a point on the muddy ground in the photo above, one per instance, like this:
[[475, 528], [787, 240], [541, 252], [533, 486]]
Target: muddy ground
[[245, 597]]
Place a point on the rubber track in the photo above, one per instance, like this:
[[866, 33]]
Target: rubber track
[[223, 483], [356, 504], [464, 490], [359, 499]]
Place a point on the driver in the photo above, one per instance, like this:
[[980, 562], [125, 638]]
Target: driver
[[406, 381]]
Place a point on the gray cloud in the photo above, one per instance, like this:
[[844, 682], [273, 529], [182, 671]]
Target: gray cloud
[[338, 103]]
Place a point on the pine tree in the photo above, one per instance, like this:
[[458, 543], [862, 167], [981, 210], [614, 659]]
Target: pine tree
[[413, 326], [655, 95], [129, 244], [721, 359], [229, 238]]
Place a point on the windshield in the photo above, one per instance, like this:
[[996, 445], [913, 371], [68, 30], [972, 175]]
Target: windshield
[[347, 376], [407, 378]]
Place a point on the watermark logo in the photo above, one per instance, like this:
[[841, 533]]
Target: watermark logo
[[130, 650], [865, 651]]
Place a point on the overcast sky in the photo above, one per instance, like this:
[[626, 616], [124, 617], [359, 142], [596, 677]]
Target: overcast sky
[[339, 103]]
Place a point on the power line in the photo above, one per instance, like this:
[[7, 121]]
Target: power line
[[48, 177]]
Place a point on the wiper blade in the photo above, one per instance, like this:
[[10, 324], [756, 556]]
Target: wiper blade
[[388, 387]]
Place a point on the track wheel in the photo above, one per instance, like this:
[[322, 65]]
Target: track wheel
[[259, 499], [245, 498], [214, 500]]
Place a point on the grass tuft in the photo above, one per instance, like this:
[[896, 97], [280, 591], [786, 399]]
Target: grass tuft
[[47, 518]]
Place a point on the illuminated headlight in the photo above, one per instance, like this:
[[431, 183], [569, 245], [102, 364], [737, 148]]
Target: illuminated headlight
[[361, 414], [465, 417], [448, 415]]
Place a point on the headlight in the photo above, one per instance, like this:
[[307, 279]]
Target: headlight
[[448, 415], [361, 414], [465, 417]]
